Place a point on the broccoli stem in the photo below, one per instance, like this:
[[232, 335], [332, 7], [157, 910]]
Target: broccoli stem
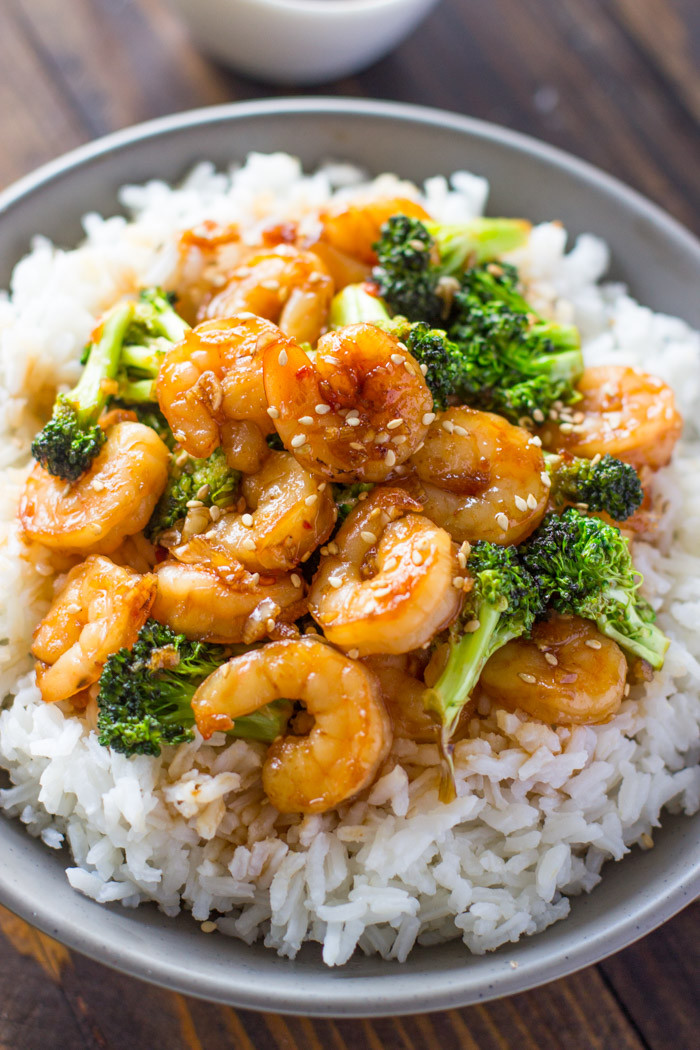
[[470, 243], [89, 396], [265, 724], [355, 304], [644, 640]]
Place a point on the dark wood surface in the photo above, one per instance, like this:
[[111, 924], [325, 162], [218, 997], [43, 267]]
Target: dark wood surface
[[614, 81]]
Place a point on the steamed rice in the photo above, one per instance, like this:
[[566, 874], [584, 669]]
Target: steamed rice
[[539, 810]]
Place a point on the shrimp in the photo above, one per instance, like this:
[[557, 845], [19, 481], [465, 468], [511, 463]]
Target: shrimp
[[389, 588], [624, 412], [286, 285], [480, 477], [101, 608], [112, 500], [351, 734], [355, 413], [567, 674], [214, 377], [196, 601], [289, 514], [354, 228]]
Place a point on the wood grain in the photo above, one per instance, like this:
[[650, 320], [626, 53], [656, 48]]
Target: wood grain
[[614, 81]]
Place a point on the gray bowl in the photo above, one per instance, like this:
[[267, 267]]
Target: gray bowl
[[661, 263]]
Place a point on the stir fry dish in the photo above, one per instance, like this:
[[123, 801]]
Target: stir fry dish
[[341, 489]]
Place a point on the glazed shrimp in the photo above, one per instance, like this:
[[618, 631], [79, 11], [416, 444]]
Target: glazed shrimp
[[213, 378], [289, 514], [354, 228], [567, 674], [291, 287], [101, 609], [627, 413], [351, 734], [389, 588], [112, 500], [198, 602], [480, 477], [354, 413]]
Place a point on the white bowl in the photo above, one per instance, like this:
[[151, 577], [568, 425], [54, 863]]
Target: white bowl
[[300, 41]]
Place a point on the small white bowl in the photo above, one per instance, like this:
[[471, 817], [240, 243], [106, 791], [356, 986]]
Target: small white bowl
[[300, 41]]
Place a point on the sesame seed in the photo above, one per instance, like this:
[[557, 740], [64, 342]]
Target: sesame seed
[[296, 580], [466, 548], [305, 557], [566, 428], [409, 368], [208, 926], [321, 409], [357, 445], [397, 358], [390, 458], [627, 689], [448, 425], [596, 459], [551, 659], [545, 479], [458, 582], [333, 548], [352, 421], [271, 285], [97, 485], [399, 439], [593, 643], [417, 557], [460, 431], [306, 421], [462, 560], [531, 501], [298, 440], [428, 418], [353, 653], [273, 413], [203, 492], [538, 415], [390, 564], [214, 513], [502, 520], [335, 581], [247, 520], [332, 360], [255, 579], [270, 624], [536, 440], [520, 503], [381, 438], [192, 503], [248, 544], [322, 487], [529, 678], [283, 358], [394, 423], [368, 536], [310, 500], [472, 625], [352, 412]]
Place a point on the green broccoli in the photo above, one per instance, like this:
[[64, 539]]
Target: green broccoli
[[146, 693], [602, 484], [583, 566], [502, 604], [210, 480], [347, 496], [122, 362], [414, 257]]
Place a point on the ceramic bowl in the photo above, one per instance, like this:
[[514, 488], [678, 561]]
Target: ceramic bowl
[[661, 263], [300, 41]]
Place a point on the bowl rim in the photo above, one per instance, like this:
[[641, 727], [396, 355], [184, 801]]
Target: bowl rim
[[404, 993]]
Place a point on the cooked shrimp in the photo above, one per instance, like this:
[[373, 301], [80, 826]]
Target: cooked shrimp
[[197, 601], [567, 674], [291, 287], [480, 477], [101, 608], [213, 377], [389, 588], [354, 228], [288, 514], [350, 737], [112, 500], [624, 412], [355, 413]]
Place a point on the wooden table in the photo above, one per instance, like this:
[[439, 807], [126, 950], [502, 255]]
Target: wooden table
[[611, 80]]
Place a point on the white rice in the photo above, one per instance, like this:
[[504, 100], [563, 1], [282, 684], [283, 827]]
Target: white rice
[[538, 810]]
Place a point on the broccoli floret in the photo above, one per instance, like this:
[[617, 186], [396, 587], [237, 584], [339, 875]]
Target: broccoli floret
[[583, 566], [606, 484], [503, 604], [151, 416], [210, 480], [413, 256], [347, 496], [72, 437], [146, 694], [122, 361]]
